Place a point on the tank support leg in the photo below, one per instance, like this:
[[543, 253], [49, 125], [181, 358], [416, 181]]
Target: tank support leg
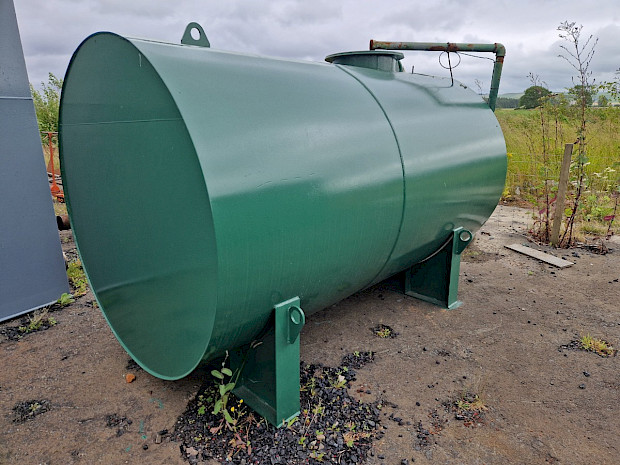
[[269, 382], [436, 279]]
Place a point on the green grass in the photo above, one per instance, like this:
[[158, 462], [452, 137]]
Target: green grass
[[77, 278], [523, 133], [60, 208], [596, 345], [470, 402], [37, 320], [529, 166]]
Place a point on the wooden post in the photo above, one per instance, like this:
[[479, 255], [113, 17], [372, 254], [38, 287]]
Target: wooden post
[[559, 203]]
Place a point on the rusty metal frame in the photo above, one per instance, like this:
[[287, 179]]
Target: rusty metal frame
[[497, 48], [51, 169]]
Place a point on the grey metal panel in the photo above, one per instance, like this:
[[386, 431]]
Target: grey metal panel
[[13, 76], [32, 272]]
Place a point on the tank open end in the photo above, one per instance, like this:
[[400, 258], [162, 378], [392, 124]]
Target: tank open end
[[139, 206]]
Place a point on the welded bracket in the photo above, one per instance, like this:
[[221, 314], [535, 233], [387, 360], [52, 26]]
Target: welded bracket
[[201, 41], [436, 279], [269, 381]]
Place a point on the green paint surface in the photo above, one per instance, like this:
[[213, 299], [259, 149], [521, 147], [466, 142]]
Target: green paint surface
[[205, 187]]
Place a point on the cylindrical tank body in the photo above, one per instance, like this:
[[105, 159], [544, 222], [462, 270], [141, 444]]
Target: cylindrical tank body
[[204, 187]]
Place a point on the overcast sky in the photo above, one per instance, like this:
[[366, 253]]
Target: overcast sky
[[311, 29]]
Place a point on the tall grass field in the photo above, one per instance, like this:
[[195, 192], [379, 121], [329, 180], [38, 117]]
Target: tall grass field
[[535, 142]]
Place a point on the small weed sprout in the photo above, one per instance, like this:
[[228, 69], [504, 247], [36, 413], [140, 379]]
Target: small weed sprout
[[318, 456], [310, 386], [27, 410], [470, 403], [202, 404], [224, 375], [34, 407], [598, 346], [350, 437], [291, 422], [37, 321], [340, 382], [66, 299], [227, 382], [319, 409], [77, 278], [385, 332], [469, 408]]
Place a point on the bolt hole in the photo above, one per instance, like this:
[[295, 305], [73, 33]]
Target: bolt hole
[[195, 33], [465, 236], [295, 315]]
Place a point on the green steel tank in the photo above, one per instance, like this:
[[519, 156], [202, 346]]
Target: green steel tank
[[214, 195]]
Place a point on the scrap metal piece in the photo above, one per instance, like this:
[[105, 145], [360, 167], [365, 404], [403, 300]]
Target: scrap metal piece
[[32, 272]]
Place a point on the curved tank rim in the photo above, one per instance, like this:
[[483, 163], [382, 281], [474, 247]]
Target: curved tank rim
[[396, 55], [67, 189]]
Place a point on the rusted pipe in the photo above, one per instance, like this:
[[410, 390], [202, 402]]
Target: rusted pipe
[[497, 48], [63, 222], [54, 188]]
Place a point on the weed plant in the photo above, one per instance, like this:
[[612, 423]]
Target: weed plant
[[533, 170], [77, 278], [596, 345], [38, 320]]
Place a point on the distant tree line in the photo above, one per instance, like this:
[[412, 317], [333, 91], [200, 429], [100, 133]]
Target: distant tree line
[[505, 102], [536, 95]]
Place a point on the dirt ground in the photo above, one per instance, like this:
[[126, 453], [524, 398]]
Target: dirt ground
[[545, 404]]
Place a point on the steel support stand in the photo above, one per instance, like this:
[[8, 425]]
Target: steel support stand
[[436, 279], [269, 380]]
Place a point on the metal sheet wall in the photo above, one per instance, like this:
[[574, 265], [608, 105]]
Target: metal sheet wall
[[32, 272]]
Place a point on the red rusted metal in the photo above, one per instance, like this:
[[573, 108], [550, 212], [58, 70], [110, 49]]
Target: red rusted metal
[[54, 188]]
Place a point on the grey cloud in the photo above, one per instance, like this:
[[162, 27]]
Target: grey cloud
[[134, 8], [299, 29]]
